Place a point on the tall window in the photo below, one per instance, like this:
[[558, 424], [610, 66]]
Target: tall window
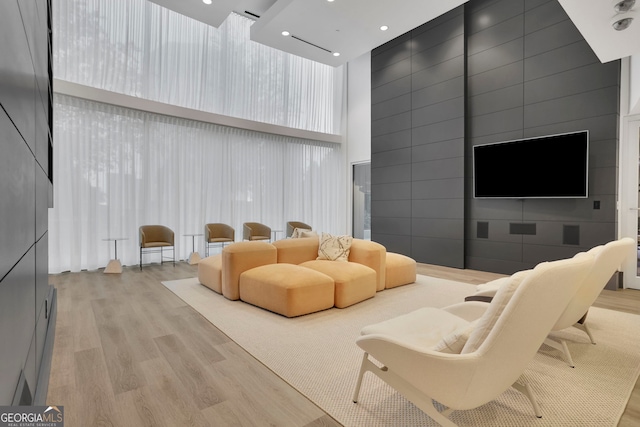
[[117, 168], [362, 201]]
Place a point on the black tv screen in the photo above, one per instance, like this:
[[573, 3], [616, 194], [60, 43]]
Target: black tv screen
[[551, 166]]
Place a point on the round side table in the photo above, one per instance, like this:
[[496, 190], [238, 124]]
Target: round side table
[[194, 257], [114, 266]]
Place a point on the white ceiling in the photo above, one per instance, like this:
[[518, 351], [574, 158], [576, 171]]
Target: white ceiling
[[352, 27]]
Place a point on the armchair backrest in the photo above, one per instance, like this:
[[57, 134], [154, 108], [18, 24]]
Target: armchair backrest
[[155, 234], [218, 230], [608, 259], [252, 229]]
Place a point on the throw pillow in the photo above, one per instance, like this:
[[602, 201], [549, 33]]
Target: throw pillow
[[455, 341], [334, 248], [297, 232], [309, 233]]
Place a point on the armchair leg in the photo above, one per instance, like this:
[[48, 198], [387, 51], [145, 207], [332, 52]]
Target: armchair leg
[[526, 390], [562, 346], [363, 369], [140, 258], [583, 327]]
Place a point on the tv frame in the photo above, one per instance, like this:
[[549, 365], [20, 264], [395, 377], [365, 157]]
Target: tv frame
[[523, 197]]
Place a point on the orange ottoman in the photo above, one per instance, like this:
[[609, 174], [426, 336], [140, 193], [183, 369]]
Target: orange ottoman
[[210, 272], [287, 289], [353, 282], [401, 270]]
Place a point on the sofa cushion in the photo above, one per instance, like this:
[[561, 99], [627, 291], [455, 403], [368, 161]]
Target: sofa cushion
[[241, 256], [210, 272], [334, 248], [297, 251], [353, 282], [373, 255]]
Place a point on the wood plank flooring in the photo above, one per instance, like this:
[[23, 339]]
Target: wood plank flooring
[[128, 352]]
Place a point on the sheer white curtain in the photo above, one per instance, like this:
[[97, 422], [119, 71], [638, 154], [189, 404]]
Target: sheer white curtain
[[116, 169], [138, 48]]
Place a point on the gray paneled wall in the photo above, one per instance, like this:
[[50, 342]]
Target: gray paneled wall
[[417, 148], [514, 69], [25, 295]]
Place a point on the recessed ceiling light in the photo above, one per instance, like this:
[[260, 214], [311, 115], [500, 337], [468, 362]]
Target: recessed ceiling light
[[330, 1], [384, 28], [335, 53], [206, 1], [621, 24], [285, 33], [624, 5]]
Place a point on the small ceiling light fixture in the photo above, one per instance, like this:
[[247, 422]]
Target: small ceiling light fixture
[[384, 28], [285, 33], [624, 5], [206, 1], [621, 24], [335, 53], [330, 1]]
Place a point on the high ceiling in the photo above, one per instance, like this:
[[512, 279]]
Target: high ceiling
[[319, 28]]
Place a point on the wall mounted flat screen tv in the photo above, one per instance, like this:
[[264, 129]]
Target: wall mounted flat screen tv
[[553, 166]]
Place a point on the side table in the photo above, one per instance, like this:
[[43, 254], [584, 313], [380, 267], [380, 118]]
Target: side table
[[114, 266], [194, 258]]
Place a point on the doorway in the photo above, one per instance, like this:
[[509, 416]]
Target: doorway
[[361, 225]]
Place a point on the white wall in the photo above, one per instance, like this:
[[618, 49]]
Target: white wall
[[358, 128], [358, 135]]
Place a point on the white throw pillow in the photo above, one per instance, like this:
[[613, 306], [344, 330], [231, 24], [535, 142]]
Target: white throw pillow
[[334, 248], [309, 233], [297, 232], [455, 341]]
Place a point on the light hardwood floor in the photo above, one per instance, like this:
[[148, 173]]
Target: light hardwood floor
[[128, 352]]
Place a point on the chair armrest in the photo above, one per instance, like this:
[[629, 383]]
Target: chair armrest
[[469, 311]]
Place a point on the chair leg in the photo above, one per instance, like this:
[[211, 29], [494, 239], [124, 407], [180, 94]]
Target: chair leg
[[526, 390], [583, 327], [140, 258], [363, 369], [562, 346], [161, 256]]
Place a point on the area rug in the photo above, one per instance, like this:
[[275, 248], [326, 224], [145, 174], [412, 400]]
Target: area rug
[[318, 356]]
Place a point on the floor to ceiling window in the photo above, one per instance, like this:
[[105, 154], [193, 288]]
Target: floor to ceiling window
[[362, 201]]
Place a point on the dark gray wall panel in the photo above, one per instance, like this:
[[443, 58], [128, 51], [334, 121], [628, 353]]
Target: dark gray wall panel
[[499, 11], [391, 209], [602, 181], [500, 33], [442, 131], [391, 107], [554, 36], [495, 265], [41, 213], [439, 73], [393, 242], [443, 111], [496, 78], [452, 188], [391, 90], [498, 230], [544, 16], [17, 323], [438, 228], [494, 58], [558, 60], [400, 226], [392, 158], [508, 251], [435, 55], [42, 271], [388, 174], [436, 33], [438, 208], [600, 127], [392, 72], [17, 204], [571, 82], [17, 81], [391, 141], [434, 94], [437, 169], [438, 251], [498, 122], [603, 153], [532, 4], [391, 124], [506, 98], [391, 52], [392, 191], [594, 103], [438, 150]]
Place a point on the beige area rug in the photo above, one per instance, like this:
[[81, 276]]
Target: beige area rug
[[318, 356]]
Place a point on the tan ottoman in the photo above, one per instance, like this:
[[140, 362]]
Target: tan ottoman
[[353, 282], [287, 289], [240, 257], [210, 272], [401, 270]]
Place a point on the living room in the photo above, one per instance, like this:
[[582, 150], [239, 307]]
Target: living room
[[168, 163]]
